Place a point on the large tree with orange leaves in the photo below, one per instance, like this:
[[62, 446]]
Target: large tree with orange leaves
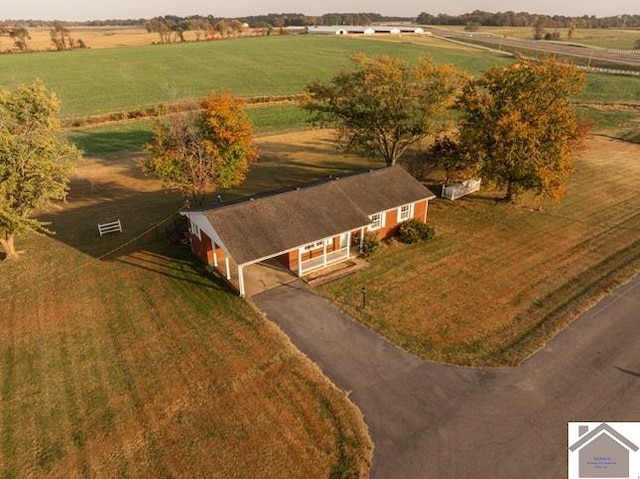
[[519, 125], [203, 153]]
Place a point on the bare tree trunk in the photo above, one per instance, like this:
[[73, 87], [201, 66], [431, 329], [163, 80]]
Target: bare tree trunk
[[9, 248], [510, 196]]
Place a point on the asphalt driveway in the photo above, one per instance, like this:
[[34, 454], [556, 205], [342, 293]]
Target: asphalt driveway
[[432, 420]]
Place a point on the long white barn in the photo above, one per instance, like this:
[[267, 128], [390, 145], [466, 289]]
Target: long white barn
[[368, 30]]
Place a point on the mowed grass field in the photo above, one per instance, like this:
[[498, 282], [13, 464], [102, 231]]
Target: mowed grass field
[[499, 280], [620, 123], [99, 81], [121, 79], [134, 362], [131, 136]]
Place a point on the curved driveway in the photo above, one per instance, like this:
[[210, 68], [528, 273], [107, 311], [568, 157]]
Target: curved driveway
[[433, 420]]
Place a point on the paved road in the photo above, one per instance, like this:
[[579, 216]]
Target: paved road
[[433, 420]]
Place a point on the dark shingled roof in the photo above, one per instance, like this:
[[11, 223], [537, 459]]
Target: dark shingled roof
[[383, 189], [272, 224]]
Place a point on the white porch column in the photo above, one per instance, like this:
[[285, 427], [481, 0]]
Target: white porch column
[[348, 244], [226, 267], [299, 264], [361, 239], [426, 207], [241, 280], [215, 254], [324, 253]]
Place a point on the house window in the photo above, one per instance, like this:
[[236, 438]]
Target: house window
[[195, 230], [377, 221], [405, 212], [312, 246]]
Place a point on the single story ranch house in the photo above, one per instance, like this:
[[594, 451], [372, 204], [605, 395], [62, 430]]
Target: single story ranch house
[[306, 228]]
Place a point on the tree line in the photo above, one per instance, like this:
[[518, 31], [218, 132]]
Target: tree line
[[525, 19], [172, 28], [60, 37], [277, 20]]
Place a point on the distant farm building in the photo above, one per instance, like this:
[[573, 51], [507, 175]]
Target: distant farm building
[[369, 30]]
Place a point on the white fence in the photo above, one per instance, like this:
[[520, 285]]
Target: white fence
[[322, 261], [113, 227], [611, 71], [458, 190]]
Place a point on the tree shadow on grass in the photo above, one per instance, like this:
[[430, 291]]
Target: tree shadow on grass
[[144, 210], [143, 215], [626, 371], [111, 188], [630, 137], [171, 261], [101, 141], [147, 220]]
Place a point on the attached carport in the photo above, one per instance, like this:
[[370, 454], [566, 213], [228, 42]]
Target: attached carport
[[304, 229]]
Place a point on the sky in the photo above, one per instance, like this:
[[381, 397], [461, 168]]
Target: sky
[[101, 9]]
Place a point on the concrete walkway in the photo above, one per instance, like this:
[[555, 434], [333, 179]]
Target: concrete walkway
[[432, 420]]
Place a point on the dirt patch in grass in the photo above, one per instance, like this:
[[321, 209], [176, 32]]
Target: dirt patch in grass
[[498, 280], [136, 363]]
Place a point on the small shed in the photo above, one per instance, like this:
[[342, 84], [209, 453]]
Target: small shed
[[458, 190]]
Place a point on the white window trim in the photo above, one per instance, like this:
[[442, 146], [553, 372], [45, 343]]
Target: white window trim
[[195, 229], [410, 206], [383, 217]]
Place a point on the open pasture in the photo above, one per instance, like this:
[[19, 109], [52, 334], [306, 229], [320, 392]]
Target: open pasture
[[121, 79], [616, 38], [100, 81]]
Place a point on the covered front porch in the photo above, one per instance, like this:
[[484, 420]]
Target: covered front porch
[[278, 269], [326, 259]]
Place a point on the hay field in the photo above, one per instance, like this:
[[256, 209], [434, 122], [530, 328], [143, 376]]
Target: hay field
[[94, 37]]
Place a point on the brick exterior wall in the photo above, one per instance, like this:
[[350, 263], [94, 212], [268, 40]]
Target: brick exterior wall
[[391, 219], [420, 210], [203, 246]]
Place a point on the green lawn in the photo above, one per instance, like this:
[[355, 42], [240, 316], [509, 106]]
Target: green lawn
[[499, 280], [131, 136], [100, 81], [611, 88], [623, 124], [134, 362]]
